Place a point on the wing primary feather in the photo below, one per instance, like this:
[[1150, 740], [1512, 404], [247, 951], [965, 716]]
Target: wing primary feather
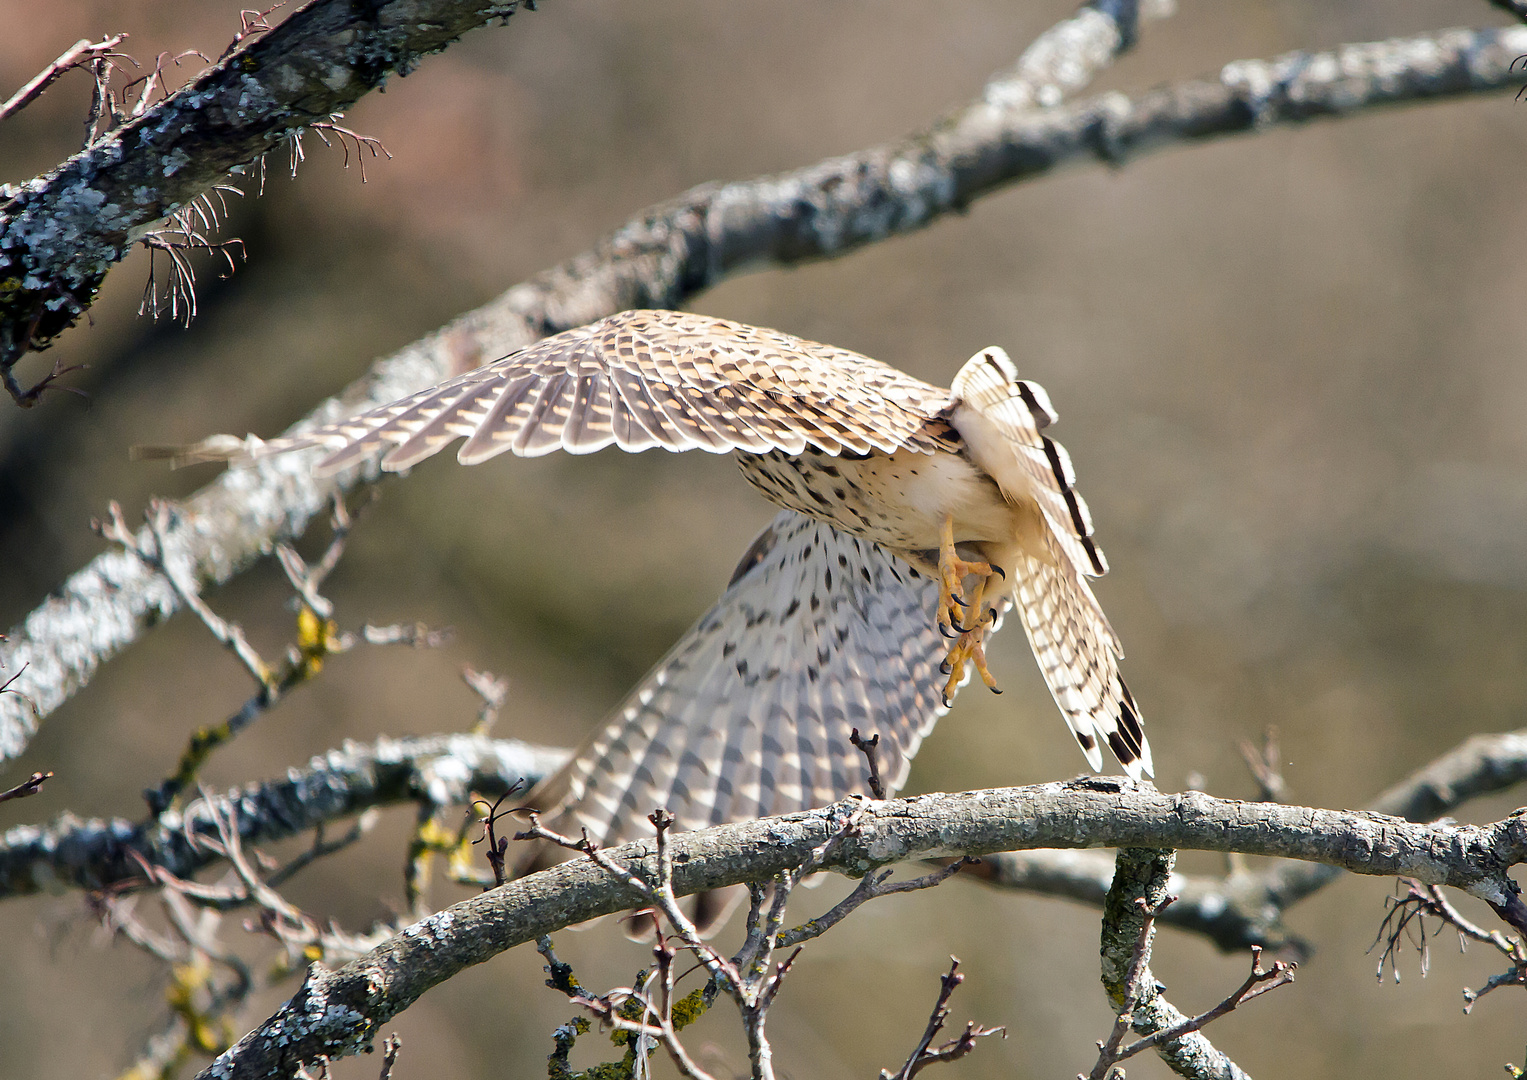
[[589, 424], [541, 431], [496, 431]]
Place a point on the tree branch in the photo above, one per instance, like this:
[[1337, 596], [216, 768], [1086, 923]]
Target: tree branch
[[1246, 909], [1138, 894], [443, 770], [62, 232], [338, 1012]]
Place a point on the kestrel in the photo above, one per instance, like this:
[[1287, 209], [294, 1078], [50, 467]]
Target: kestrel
[[896, 495]]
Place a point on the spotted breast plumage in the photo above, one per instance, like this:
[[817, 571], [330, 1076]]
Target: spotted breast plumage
[[909, 511]]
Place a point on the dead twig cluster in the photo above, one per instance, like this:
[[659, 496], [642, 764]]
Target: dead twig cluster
[[318, 636], [140, 90], [209, 980], [1263, 761], [648, 1014], [186, 230], [1405, 923], [363, 145], [192, 226]]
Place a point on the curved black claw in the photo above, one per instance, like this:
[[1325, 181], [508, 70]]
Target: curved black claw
[[946, 700], [995, 689], [1001, 573], [944, 667], [948, 631]]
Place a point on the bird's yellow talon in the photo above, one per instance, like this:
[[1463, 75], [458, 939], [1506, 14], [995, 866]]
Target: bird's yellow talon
[[971, 648], [972, 618], [953, 609]]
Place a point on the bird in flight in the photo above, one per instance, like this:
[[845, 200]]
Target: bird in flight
[[913, 517]]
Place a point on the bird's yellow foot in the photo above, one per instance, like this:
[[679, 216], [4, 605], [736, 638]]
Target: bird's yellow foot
[[967, 621], [954, 613], [970, 648]]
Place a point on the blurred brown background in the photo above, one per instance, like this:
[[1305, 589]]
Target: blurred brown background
[[1287, 366]]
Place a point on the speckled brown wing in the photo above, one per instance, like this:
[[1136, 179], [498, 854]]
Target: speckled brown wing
[[642, 379], [749, 715]]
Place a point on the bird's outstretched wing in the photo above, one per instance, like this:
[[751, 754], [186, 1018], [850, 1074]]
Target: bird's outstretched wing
[[750, 714], [642, 379]]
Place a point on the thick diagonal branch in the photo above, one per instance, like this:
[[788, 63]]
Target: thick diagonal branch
[[62, 232]]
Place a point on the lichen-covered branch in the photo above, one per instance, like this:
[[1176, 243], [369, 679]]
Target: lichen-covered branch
[[338, 1012], [442, 770], [1482, 764], [1138, 894], [62, 232]]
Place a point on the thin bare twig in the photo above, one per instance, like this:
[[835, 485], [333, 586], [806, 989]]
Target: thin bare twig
[[322, 846], [1258, 982], [1110, 1050], [30, 786], [498, 846], [364, 144], [254, 23], [922, 1056], [870, 887], [390, 1047], [82, 53], [1263, 761], [869, 748], [160, 517], [305, 579], [493, 690]]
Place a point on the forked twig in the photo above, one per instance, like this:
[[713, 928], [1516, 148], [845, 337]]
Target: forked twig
[[1113, 1050], [870, 749], [922, 1056], [30, 786]]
